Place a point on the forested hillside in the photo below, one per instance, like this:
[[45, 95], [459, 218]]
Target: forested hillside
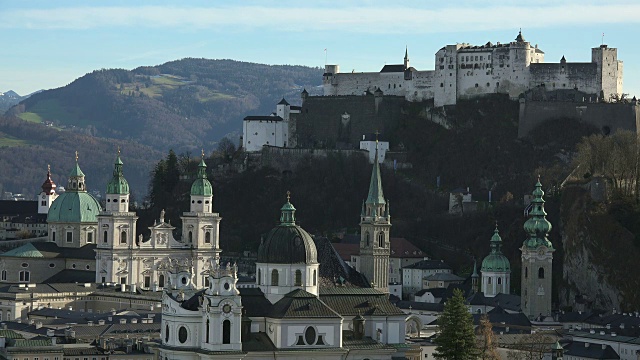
[[185, 104], [26, 149]]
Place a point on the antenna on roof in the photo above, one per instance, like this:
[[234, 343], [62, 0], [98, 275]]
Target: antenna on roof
[[602, 38]]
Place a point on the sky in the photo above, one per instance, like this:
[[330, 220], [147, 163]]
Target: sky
[[48, 44]]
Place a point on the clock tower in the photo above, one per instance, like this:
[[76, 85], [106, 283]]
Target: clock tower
[[222, 309]]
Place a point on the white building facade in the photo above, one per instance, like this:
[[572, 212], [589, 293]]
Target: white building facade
[[465, 71]]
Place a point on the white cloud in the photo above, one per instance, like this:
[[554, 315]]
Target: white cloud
[[370, 19]]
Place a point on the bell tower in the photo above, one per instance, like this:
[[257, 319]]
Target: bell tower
[[222, 320], [375, 224], [48, 194], [537, 257]]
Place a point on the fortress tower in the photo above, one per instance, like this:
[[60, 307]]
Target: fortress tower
[[609, 70]]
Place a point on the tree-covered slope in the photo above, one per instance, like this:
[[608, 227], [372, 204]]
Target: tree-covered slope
[[185, 104]]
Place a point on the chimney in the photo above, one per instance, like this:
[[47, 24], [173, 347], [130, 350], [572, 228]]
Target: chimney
[[604, 346], [51, 332], [586, 344], [506, 329], [90, 323], [101, 322], [38, 325]]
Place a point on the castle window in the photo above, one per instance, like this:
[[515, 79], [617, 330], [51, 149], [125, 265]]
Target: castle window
[[207, 237], [441, 84], [226, 332], [298, 278], [476, 85], [4, 275], [381, 239], [104, 237], [488, 84], [541, 273], [274, 277], [123, 237], [497, 84], [161, 280], [25, 276]]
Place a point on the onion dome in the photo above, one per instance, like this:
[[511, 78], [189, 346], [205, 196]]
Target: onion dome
[[74, 205], [287, 243], [118, 184], [201, 186], [49, 187], [496, 261], [537, 226]]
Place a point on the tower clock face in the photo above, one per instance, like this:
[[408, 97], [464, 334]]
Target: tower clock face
[[226, 308], [44, 197]]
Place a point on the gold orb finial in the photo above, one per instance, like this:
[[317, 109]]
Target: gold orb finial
[[118, 150], [203, 154], [76, 155]]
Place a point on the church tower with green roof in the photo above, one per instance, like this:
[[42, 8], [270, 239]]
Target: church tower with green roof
[[200, 225], [496, 269], [375, 224], [537, 257]]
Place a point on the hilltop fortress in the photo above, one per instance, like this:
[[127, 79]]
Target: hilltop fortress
[[463, 71]]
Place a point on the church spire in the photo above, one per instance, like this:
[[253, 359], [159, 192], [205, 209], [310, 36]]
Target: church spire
[[376, 196], [406, 57], [537, 226]]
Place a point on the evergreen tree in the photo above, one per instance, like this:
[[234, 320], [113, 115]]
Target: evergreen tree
[[455, 339], [487, 345]]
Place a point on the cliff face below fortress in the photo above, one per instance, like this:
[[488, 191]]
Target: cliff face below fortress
[[600, 256]]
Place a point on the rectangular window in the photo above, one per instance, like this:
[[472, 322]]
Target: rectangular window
[[147, 281], [90, 237], [43, 203], [69, 236], [123, 280]]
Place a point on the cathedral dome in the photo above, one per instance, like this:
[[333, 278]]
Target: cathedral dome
[[201, 186], [74, 207], [118, 184], [287, 243]]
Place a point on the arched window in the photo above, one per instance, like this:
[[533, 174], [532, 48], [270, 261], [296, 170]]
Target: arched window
[[207, 237], [104, 236], [226, 332], [123, 237], [315, 278], [53, 236], [25, 276], [190, 236], [541, 273], [381, 239], [499, 280], [298, 278], [208, 330], [161, 280], [367, 238], [259, 277], [274, 277]]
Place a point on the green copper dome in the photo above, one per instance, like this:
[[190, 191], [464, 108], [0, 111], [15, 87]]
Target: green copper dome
[[496, 261], [74, 207], [75, 171], [202, 186], [118, 184], [537, 226]]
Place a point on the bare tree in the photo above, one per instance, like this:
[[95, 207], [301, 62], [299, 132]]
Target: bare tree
[[487, 343]]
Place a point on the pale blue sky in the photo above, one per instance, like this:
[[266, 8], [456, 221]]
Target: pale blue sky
[[47, 44]]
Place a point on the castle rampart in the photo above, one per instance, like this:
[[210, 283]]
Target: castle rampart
[[463, 71]]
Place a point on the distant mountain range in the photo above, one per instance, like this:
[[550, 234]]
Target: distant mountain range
[[10, 98], [186, 104]]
